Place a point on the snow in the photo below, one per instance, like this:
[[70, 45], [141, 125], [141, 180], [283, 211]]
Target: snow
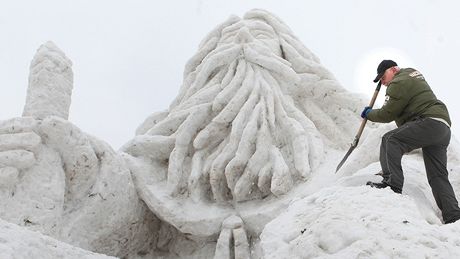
[[241, 165], [50, 83], [17, 242], [346, 219], [357, 222]]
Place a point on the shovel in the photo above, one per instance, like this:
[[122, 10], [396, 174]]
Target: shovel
[[360, 131]]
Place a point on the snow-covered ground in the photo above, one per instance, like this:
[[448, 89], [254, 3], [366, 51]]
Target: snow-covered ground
[[346, 219], [358, 222]]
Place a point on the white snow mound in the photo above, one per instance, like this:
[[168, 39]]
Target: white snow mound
[[357, 222]]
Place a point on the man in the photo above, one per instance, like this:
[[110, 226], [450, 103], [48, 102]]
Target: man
[[423, 122]]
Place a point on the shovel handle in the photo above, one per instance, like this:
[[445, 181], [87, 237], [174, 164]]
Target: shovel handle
[[360, 131], [371, 104]]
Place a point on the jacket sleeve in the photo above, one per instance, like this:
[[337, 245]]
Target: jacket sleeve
[[396, 100]]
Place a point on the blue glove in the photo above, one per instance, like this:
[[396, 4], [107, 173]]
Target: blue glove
[[366, 110]]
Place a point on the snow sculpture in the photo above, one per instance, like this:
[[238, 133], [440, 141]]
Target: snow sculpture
[[50, 84], [232, 233], [252, 120], [59, 181], [235, 131], [17, 242]]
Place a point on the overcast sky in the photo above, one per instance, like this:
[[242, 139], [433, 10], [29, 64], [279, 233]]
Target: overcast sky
[[128, 56]]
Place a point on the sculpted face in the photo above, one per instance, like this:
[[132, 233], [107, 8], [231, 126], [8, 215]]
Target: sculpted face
[[251, 30], [232, 133], [243, 127]]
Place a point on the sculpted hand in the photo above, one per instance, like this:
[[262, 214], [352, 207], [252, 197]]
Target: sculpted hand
[[17, 146]]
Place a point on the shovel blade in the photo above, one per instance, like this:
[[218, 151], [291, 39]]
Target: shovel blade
[[345, 158]]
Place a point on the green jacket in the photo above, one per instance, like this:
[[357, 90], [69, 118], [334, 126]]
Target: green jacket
[[409, 96]]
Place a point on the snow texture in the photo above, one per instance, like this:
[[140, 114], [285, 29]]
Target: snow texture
[[17, 242], [252, 120], [50, 84], [59, 181], [237, 130], [358, 222], [241, 165]]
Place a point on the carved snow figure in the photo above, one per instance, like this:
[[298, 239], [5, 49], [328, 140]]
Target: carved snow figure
[[59, 181], [252, 120]]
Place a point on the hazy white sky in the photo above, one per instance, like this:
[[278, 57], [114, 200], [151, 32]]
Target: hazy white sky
[[128, 56]]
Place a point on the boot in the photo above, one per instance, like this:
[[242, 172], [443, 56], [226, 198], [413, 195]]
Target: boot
[[382, 185], [451, 221]]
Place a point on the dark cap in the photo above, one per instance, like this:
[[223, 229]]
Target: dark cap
[[383, 66]]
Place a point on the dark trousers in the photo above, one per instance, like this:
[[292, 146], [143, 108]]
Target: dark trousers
[[433, 137]]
